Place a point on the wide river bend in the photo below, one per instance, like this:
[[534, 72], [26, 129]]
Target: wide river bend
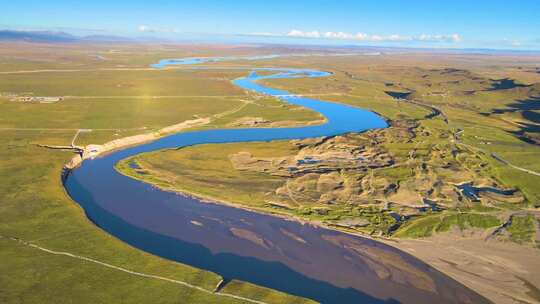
[[301, 259]]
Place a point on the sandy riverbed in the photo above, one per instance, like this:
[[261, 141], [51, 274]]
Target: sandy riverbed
[[501, 271], [92, 151]]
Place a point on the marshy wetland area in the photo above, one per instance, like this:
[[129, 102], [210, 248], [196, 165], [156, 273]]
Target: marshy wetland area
[[453, 181]]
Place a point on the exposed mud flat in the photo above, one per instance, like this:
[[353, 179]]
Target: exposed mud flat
[[504, 272]]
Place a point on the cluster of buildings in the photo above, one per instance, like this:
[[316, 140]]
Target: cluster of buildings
[[40, 99]]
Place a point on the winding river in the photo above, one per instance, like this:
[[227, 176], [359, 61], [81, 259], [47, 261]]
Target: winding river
[[301, 259]]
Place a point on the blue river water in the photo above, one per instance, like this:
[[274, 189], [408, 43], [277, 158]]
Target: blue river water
[[297, 258], [198, 60]]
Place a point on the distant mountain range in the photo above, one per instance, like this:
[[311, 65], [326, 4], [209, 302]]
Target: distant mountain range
[[63, 37], [50, 36], [41, 36]]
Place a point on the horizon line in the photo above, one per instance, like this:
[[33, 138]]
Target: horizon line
[[147, 38]]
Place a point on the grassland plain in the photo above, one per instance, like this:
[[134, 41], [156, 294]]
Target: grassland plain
[[116, 95], [34, 206], [455, 132]]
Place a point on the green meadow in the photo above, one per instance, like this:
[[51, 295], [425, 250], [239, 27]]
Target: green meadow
[[35, 208], [467, 100], [119, 96]]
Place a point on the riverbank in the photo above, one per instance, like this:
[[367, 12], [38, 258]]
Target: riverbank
[[94, 150], [172, 171], [499, 271], [503, 272]]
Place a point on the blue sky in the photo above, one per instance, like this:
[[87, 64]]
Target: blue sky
[[419, 23]]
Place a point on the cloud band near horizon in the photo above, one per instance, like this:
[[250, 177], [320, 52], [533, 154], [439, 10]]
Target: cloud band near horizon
[[450, 38]]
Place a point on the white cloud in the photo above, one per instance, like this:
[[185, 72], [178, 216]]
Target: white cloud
[[374, 38], [397, 38], [149, 29], [145, 28], [264, 34], [361, 36], [439, 38], [302, 34], [511, 42], [338, 35]]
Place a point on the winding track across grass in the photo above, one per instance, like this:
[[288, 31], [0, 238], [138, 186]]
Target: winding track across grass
[[140, 274]]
